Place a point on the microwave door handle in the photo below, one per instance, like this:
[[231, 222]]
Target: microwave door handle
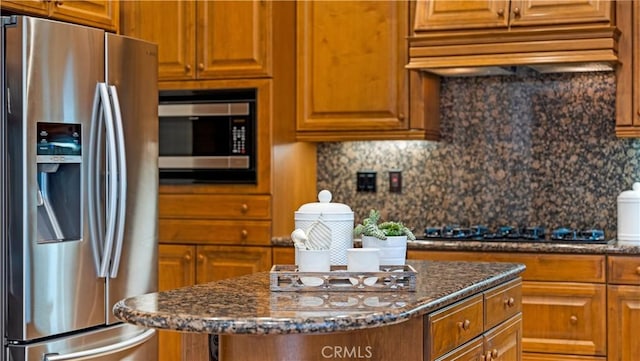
[[122, 182], [112, 181], [93, 180], [102, 351]]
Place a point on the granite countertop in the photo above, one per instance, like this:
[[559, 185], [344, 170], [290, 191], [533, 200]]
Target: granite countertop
[[611, 247], [245, 305]]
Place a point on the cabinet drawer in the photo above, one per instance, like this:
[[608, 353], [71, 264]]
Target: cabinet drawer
[[198, 231], [624, 270], [454, 325], [502, 302], [214, 206], [540, 267], [564, 318]]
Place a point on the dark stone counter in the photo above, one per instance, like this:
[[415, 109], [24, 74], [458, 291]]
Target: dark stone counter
[[245, 305]]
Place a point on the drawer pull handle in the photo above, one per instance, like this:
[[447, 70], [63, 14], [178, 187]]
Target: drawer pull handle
[[187, 257], [516, 11], [464, 325], [200, 66], [510, 302], [573, 319], [638, 270], [187, 68], [244, 208], [494, 353], [500, 12], [244, 233], [200, 257]]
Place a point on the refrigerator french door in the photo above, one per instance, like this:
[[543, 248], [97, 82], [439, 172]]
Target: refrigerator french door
[[79, 190]]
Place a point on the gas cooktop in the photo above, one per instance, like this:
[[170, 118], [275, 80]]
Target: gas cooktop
[[508, 233]]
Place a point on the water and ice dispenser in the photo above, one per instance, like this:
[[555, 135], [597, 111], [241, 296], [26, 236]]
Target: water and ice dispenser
[[59, 193]]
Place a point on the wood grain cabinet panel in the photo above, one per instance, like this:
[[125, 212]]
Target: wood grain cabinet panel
[[488, 14], [623, 296], [187, 265], [502, 303], [564, 318], [454, 325], [544, 12], [628, 70], [624, 270], [471, 351], [171, 25], [443, 14], [503, 343], [234, 39], [221, 262], [200, 231], [202, 40], [215, 206], [351, 78], [563, 301], [104, 14], [624, 320], [176, 266]]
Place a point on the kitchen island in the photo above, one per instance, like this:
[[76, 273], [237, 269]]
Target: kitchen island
[[457, 308]]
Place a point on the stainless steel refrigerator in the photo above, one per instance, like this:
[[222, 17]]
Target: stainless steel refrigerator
[[78, 193]]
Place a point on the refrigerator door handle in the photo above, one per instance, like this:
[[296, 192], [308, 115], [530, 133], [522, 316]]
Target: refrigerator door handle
[[93, 181], [104, 350], [122, 181], [112, 181]]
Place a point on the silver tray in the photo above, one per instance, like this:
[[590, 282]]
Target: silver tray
[[389, 278]]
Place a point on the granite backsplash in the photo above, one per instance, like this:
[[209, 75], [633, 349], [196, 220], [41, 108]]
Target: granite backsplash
[[528, 149]]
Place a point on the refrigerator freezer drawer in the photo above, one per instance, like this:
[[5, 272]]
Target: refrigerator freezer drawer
[[121, 342]]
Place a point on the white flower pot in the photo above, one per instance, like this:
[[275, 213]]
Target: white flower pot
[[393, 250]]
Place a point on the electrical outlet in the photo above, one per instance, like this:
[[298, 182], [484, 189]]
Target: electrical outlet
[[395, 181], [366, 182]]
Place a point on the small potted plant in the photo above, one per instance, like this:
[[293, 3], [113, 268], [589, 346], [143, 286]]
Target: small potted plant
[[390, 237]]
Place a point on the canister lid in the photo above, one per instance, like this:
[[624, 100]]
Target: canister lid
[[633, 194], [325, 205]]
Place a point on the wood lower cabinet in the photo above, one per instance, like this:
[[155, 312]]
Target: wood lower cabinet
[[564, 318], [351, 78], [204, 238], [462, 331], [204, 39], [564, 302], [186, 265], [103, 14], [623, 297], [176, 267]]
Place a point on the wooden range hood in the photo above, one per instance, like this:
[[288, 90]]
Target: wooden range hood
[[481, 51]]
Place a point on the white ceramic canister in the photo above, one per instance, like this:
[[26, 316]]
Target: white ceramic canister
[[337, 217], [629, 215]]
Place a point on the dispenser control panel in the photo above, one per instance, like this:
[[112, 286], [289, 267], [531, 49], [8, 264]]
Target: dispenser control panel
[[59, 142]]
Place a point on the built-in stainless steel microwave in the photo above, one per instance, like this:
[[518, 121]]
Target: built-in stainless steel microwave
[[207, 136]]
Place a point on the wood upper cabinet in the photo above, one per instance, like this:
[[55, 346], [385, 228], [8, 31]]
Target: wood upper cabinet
[[103, 14], [351, 76], [628, 71], [485, 14], [204, 39]]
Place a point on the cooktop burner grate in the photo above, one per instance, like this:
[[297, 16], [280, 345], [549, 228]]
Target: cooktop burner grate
[[509, 233]]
